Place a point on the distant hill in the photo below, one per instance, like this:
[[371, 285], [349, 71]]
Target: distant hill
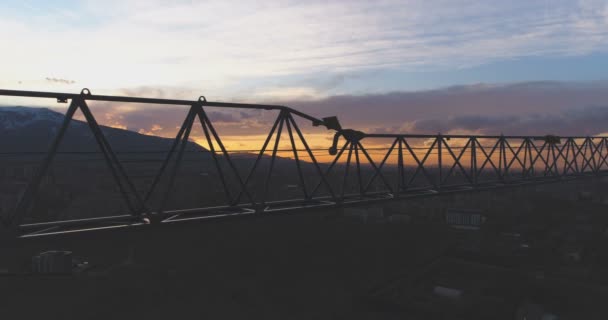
[[26, 129]]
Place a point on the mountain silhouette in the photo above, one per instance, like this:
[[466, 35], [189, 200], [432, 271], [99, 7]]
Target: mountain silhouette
[[27, 129]]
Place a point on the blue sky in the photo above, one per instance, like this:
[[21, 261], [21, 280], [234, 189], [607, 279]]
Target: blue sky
[[303, 51], [285, 49]]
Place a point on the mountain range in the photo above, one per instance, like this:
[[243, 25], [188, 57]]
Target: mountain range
[[28, 129]]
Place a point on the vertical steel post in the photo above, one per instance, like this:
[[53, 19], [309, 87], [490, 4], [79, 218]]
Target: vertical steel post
[[350, 153], [525, 171], [504, 158], [439, 159], [585, 151], [566, 157], [501, 152], [474, 142], [401, 171], [604, 156], [576, 157], [359, 180]]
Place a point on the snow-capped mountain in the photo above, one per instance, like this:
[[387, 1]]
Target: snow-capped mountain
[[12, 118], [25, 129]]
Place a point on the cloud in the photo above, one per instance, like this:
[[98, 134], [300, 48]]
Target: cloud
[[530, 108], [166, 120], [155, 130], [582, 122], [278, 94], [465, 107], [61, 81], [218, 44], [224, 117]]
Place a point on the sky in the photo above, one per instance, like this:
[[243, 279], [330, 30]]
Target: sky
[[481, 67]]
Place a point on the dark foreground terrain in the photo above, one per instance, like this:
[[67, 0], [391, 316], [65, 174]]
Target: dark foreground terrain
[[401, 263], [296, 267]]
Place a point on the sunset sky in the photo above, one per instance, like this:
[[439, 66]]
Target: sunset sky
[[530, 67]]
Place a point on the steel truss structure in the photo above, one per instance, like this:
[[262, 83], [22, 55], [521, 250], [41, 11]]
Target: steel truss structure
[[410, 166]]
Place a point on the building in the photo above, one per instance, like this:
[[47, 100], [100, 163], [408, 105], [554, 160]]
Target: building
[[465, 219]]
